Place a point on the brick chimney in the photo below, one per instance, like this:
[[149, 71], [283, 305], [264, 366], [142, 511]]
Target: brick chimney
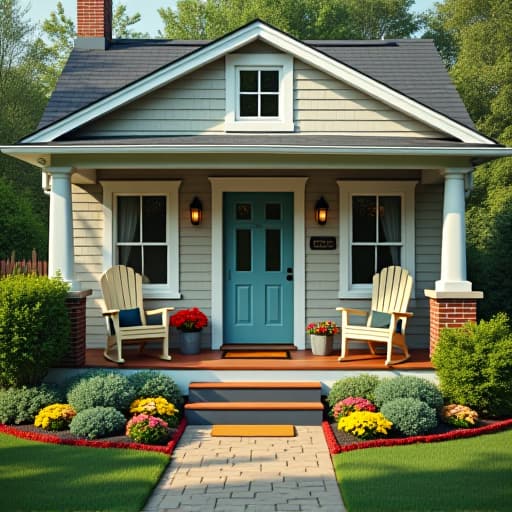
[[94, 23]]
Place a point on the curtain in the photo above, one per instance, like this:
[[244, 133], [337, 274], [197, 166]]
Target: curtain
[[390, 222], [128, 211]]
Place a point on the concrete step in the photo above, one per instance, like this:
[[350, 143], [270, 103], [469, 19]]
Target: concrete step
[[254, 392], [254, 413]]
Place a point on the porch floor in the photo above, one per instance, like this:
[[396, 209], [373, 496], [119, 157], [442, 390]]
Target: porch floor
[[359, 360]]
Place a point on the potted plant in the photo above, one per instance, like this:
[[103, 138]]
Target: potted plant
[[190, 322], [321, 334]]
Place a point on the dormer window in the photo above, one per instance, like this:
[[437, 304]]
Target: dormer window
[[259, 92]]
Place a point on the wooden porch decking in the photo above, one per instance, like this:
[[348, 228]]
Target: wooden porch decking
[[300, 360]]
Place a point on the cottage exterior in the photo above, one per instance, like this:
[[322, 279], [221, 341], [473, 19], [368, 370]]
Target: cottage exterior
[[259, 127]]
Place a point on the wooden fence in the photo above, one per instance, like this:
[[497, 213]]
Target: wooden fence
[[33, 266]]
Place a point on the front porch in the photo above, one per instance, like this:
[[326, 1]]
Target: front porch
[[210, 366]]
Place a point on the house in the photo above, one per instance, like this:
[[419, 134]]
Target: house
[[306, 167]]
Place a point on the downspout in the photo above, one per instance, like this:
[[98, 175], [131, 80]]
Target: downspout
[[468, 184], [46, 182]]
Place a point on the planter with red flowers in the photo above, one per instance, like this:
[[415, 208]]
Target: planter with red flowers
[[190, 323], [321, 334]]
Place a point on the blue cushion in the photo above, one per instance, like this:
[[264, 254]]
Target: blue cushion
[[380, 319], [155, 319], [129, 317]]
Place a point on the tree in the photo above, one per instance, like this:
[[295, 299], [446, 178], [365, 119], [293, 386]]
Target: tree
[[304, 19]]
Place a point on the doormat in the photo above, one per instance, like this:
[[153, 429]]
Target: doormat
[[253, 431], [256, 354]]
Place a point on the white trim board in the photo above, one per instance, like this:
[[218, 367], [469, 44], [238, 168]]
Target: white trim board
[[298, 187], [279, 40]]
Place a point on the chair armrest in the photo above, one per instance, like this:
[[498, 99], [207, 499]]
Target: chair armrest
[[353, 311], [403, 314], [110, 312], [159, 310]]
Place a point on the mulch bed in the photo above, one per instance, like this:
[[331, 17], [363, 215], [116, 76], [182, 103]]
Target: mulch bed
[[339, 441], [66, 437]]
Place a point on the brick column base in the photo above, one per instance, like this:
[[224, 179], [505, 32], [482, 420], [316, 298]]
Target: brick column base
[[450, 310], [76, 304]]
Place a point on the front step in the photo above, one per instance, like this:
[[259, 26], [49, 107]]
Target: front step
[[254, 403]]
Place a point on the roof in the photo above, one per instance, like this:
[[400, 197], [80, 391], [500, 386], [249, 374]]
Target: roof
[[411, 67]]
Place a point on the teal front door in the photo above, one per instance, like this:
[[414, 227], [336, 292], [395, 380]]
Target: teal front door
[[258, 267]]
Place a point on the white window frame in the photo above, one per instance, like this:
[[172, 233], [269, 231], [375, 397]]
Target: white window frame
[[348, 189], [264, 62], [169, 189]]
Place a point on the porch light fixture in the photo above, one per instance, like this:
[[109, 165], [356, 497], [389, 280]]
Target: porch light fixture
[[196, 212], [321, 209]]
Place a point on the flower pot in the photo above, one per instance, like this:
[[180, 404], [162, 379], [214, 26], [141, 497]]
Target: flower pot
[[190, 342], [321, 345]]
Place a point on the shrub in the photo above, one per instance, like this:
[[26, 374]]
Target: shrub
[[408, 387], [158, 407], [410, 416], [34, 328], [459, 416], [152, 383], [365, 425], [55, 417], [21, 405], [97, 422], [474, 365], [363, 386], [143, 428], [101, 390], [348, 405]]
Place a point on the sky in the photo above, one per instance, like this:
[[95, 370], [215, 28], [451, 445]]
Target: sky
[[150, 20]]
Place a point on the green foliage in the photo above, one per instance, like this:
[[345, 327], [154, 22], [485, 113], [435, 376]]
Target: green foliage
[[408, 387], [102, 390], [21, 405], [362, 386], [410, 416], [305, 19], [97, 422], [474, 365], [150, 383], [34, 328]]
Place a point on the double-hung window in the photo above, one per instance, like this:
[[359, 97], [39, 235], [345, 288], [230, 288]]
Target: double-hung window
[[376, 231], [141, 231], [259, 92]]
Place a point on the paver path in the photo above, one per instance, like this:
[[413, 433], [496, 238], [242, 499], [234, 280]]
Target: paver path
[[241, 474]]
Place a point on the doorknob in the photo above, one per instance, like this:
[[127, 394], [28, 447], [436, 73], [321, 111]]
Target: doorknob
[[289, 277]]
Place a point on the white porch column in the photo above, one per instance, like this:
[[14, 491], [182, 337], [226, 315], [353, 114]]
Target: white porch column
[[60, 243], [453, 251]]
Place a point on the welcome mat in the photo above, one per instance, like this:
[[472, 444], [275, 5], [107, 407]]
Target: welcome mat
[[253, 431], [256, 354]]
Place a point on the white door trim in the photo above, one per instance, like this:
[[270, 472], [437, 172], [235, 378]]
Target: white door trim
[[298, 187]]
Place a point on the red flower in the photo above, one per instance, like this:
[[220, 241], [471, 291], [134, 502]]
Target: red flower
[[189, 320]]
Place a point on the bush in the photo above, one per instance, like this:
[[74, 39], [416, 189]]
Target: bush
[[410, 416], [351, 404], [365, 425], [459, 416], [151, 383], [101, 390], [158, 407], [34, 328], [147, 429], [361, 386], [97, 422], [408, 387], [474, 366], [21, 405], [55, 417]]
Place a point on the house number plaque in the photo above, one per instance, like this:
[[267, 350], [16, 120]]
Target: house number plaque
[[322, 243]]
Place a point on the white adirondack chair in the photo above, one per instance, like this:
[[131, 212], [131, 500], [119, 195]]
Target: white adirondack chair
[[122, 293], [387, 319]]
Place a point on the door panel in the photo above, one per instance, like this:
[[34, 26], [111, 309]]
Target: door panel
[[258, 263]]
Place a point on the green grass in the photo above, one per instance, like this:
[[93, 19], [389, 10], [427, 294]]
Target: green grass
[[463, 475], [47, 477]]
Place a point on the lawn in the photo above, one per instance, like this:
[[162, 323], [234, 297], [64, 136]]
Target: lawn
[[42, 477], [463, 475]]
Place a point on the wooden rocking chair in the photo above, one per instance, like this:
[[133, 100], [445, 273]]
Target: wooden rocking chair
[[387, 319], [127, 322]]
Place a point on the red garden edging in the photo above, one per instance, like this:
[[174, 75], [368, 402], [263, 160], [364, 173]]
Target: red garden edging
[[51, 438], [335, 447]]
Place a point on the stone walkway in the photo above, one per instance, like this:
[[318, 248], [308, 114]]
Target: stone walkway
[[257, 474]]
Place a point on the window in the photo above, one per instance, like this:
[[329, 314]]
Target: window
[[259, 92], [376, 230], [141, 231]]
